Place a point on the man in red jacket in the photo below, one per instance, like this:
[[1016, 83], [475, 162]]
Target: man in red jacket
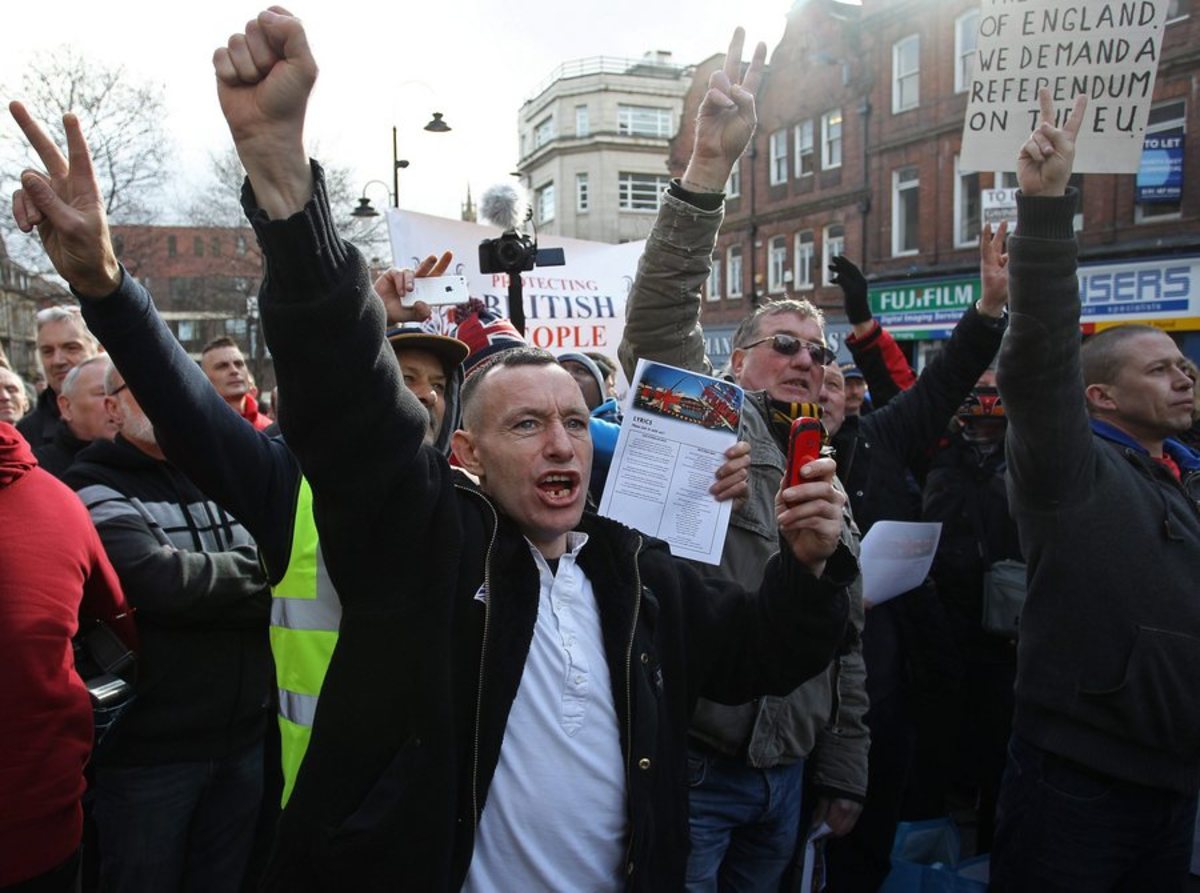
[[52, 569]]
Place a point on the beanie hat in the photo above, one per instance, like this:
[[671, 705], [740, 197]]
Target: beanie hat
[[590, 365], [486, 333]]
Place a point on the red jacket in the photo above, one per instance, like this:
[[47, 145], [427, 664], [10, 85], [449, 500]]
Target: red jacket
[[52, 568], [251, 414]]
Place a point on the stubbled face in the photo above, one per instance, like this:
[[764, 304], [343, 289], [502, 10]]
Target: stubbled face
[[85, 410], [833, 400], [856, 392], [226, 369], [587, 384], [531, 448], [131, 422], [789, 379], [62, 345], [1152, 395], [12, 397], [425, 376]]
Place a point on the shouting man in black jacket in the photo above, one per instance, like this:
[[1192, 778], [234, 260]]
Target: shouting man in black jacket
[[519, 705]]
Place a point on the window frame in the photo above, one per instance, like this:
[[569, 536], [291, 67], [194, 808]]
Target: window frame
[[964, 69], [959, 176], [628, 196], [805, 149], [777, 154], [899, 78], [804, 282], [907, 185], [828, 142], [539, 202], [829, 242], [733, 284], [777, 250], [627, 114]]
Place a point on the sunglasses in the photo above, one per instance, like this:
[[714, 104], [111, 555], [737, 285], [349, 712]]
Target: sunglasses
[[790, 345]]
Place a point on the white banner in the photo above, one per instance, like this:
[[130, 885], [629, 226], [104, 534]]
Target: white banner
[[1108, 50], [577, 307]]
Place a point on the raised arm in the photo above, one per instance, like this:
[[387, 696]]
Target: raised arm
[[875, 351], [322, 321], [251, 476], [1049, 437], [662, 315]]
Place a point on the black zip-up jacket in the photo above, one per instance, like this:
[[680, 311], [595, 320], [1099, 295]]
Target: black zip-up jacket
[[1109, 651], [38, 426], [56, 455], [192, 574], [416, 699]]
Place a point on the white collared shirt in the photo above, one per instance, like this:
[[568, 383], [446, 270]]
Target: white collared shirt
[[555, 817]]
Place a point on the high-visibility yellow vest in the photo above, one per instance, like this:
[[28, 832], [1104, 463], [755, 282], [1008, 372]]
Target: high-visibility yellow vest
[[305, 616]]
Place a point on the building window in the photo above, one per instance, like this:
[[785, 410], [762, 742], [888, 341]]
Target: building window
[[966, 41], [776, 263], [198, 246], [544, 132], [733, 188], [806, 160], [643, 120], [544, 202], [1177, 10], [581, 193], [214, 247], [1166, 119], [779, 157], [834, 238], [804, 260], [241, 244], [831, 139], [906, 210], [966, 207], [581, 121], [733, 263], [906, 73], [187, 331], [640, 192], [235, 328], [172, 246], [713, 289]]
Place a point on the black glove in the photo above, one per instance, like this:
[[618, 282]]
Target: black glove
[[854, 288]]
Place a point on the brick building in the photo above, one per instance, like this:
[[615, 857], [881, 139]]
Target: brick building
[[860, 124], [205, 282]]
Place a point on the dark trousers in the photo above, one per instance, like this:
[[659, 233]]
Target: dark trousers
[[1063, 827], [179, 827], [62, 878], [860, 861]]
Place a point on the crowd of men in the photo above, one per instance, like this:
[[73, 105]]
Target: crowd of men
[[388, 644]]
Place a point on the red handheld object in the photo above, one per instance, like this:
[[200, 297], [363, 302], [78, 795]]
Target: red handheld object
[[804, 445]]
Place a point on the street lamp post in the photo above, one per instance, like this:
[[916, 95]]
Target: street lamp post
[[436, 125]]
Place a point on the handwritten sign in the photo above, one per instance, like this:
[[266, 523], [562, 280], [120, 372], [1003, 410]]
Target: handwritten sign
[[1107, 50]]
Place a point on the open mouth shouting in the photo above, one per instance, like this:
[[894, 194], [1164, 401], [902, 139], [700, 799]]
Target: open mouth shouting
[[559, 488]]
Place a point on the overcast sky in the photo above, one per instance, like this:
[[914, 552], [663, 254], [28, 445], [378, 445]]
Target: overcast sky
[[384, 64]]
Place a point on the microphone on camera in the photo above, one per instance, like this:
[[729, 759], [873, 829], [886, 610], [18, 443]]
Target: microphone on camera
[[504, 206]]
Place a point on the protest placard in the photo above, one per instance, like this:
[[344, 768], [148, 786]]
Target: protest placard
[[1106, 50]]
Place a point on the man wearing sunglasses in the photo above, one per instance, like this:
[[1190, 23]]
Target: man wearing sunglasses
[[747, 763]]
